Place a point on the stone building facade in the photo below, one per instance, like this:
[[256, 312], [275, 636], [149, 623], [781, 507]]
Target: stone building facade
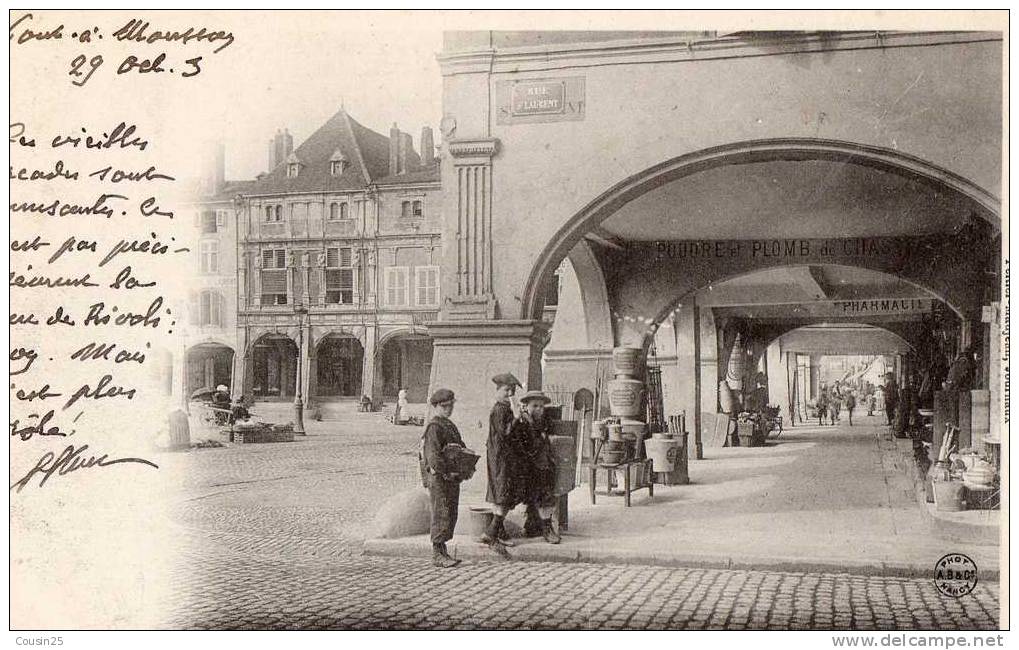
[[208, 337], [337, 268]]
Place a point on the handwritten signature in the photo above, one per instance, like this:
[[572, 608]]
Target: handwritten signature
[[71, 459]]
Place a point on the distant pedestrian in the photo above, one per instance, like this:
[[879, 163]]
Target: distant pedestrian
[[891, 397], [850, 405], [822, 406], [440, 476], [871, 402], [834, 407]]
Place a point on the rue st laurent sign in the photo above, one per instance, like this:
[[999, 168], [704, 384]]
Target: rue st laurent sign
[[540, 100]]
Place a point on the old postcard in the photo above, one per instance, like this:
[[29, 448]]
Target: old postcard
[[509, 321]]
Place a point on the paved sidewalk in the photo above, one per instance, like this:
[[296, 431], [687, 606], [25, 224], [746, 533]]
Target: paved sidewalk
[[274, 539], [817, 498]]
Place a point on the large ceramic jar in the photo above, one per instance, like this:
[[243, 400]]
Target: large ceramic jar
[[625, 360], [624, 397]]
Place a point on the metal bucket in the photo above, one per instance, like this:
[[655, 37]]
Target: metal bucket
[[479, 519], [948, 496]]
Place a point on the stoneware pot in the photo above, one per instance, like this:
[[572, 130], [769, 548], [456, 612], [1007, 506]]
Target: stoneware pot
[[624, 397], [725, 397], [626, 360], [662, 452]]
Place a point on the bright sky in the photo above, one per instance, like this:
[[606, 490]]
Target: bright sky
[[381, 76]]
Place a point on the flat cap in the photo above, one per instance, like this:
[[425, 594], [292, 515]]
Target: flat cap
[[442, 396], [532, 395], [506, 379]]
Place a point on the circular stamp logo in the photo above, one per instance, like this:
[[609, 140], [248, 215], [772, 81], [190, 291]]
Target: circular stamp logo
[[955, 575]]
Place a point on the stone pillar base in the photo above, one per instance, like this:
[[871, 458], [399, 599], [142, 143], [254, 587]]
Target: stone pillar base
[[465, 357]]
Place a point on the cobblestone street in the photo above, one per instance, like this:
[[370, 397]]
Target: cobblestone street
[[275, 537]]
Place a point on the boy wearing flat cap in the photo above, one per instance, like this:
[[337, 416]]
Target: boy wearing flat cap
[[505, 489], [539, 458], [441, 479]]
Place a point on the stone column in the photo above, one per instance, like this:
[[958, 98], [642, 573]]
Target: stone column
[[371, 281], [994, 362], [467, 273], [368, 367], [242, 281], [707, 386], [305, 378], [256, 290], [688, 386], [320, 269], [237, 373], [467, 354]]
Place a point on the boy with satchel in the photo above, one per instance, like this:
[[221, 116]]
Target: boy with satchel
[[442, 474]]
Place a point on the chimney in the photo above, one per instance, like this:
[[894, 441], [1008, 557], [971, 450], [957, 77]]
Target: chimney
[[288, 145], [219, 167], [394, 146], [405, 150], [427, 147], [280, 148]]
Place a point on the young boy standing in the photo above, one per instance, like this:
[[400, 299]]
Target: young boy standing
[[441, 479]]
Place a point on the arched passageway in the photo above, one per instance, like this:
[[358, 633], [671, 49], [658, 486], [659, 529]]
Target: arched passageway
[[405, 363], [209, 365], [339, 366], [274, 368]]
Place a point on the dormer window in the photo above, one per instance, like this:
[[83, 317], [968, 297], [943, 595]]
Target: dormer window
[[337, 163], [293, 166]]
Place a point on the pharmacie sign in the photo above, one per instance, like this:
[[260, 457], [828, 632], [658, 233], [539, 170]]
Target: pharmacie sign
[[881, 306]]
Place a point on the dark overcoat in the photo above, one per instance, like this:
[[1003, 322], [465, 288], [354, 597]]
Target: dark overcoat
[[441, 480], [538, 471], [506, 469]]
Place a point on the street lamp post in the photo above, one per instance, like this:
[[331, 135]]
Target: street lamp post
[[301, 311]]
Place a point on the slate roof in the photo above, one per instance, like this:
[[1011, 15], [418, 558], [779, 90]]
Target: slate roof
[[366, 151]]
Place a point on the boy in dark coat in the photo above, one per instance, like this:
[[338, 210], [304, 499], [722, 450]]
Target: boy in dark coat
[[505, 487], [536, 450], [441, 479]]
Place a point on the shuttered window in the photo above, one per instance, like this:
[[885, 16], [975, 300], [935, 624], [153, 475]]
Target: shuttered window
[[339, 276], [426, 286], [397, 286], [274, 277]]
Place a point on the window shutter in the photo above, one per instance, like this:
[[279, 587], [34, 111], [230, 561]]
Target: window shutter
[[217, 310], [221, 217], [332, 258], [274, 281], [281, 259], [345, 257], [267, 259]]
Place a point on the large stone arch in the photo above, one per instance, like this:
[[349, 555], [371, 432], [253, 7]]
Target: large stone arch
[[982, 203]]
